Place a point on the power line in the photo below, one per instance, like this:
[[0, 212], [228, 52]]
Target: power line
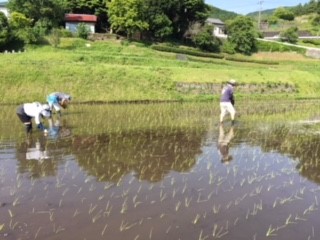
[[260, 9]]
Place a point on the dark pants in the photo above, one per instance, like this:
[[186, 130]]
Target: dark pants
[[24, 118], [22, 115]]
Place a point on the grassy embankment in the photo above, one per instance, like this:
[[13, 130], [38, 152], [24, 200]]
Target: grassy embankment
[[111, 71]]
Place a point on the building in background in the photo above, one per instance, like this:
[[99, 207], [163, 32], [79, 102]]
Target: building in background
[[4, 9], [73, 20], [219, 27]]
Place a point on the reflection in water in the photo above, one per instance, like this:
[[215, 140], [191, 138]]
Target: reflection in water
[[150, 155], [38, 153], [224, 142], [34, 157], [145, 172]]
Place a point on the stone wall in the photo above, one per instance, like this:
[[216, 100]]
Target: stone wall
[[313, 53]]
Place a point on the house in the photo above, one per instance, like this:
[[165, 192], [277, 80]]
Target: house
[[4, 9], [73, 20], [219, 27]]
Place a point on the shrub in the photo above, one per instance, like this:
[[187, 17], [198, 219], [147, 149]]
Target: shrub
[[83, 31], [54, 37]]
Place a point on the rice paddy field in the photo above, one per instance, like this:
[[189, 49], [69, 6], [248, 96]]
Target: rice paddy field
[[163, 171]]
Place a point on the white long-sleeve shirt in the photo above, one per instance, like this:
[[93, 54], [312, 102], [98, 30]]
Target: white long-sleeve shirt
[[33, 110]]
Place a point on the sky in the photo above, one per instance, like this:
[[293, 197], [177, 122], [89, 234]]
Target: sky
[[248, 6]]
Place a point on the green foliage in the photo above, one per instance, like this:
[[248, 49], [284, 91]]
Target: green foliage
[[127, 16], [229, 47], [206, 41], [223, 15], [272, 20], [186, 51], [284, 13], [264, 46], [161, 26], [312, 41], [83, 31], [43, 26], [22, 28], [4, 31], [54, 37], [248, 60], [36, 10], [316, 20], [242, 34], [290, 35]]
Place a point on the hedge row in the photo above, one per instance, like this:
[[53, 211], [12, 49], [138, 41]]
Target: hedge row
[[186, 51], [210, 55], [277, 47], [238, 59]]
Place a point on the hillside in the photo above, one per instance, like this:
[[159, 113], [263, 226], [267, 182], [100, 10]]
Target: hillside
[[117, 71], [223, 15]]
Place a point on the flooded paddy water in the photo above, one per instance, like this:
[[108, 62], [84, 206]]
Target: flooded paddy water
[[163, 171]]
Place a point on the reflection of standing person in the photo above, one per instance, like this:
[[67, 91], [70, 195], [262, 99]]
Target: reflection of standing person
[[58, 100], [227, 101], [35, 110], [223, 143]]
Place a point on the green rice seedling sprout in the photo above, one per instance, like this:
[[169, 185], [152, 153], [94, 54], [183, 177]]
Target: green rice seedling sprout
[[104, 229], [216, 209], [196, 219], [177, 206], [76, 212], [150, 233], [125, 226], [202, 237], [92, 208], [271, 232], [97, 216], [37, 233]]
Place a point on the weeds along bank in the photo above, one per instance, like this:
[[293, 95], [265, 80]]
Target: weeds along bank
[[122, 71]]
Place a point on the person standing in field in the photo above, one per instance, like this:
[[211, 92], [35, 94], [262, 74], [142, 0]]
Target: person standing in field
[[35, 110], [227, 101], [58, 100]]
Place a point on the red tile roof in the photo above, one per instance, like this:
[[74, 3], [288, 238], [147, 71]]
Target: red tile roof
[[80, 18]]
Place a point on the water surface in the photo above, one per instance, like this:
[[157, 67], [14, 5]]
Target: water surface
[[163, 171]]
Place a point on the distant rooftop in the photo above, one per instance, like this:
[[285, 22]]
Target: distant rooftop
[[214, 21], [80, 18]]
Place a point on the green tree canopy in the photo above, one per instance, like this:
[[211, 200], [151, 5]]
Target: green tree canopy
[[242, 34], [290, 35], [284, 13], [4, 30], [51, 10], [127, 16]]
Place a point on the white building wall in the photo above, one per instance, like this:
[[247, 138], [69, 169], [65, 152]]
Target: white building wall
[[5, 11], [72, 27]]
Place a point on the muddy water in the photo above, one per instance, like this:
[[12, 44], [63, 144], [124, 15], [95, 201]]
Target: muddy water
[[163, 171]]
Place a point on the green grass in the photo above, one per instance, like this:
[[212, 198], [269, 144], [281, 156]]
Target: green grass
[[125, 71]]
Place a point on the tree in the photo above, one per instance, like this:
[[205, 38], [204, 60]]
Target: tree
[[242, 35], [206, 41], [127, 16], [284, 14], [21, 27], [4, 30], [290, 35]]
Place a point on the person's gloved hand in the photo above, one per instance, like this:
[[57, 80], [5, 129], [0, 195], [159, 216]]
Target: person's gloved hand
[[40, 127]]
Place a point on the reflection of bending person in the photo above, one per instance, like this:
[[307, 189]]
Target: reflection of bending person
[[223, 143], [37, 152]]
